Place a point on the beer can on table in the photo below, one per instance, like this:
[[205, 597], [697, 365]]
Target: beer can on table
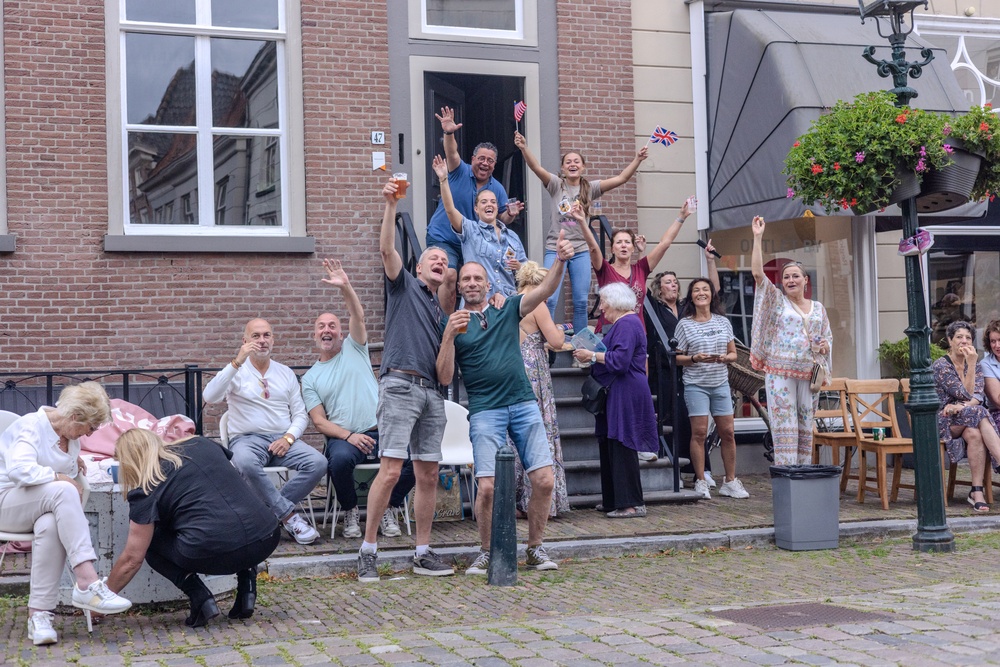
[[878, 434]]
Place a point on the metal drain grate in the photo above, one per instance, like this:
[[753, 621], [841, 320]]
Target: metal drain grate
[[798, 616]]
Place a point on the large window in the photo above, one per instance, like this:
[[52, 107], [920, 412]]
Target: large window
[[503, 21], [204, 110]]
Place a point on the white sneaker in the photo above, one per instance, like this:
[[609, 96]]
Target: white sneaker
[[647, 457], [390, 524], [351, 527], [99, 598], [40, 628], [709, 480], [701, 488], [733, 489], [300, 530]]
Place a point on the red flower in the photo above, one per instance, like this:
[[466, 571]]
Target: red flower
[[901, 118], [987, 106], [984, 126], [816, 169], [796, 144], [836, 166], [843, 204]]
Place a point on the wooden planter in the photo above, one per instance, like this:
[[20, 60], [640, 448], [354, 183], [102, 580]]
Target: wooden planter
[[944, 189]]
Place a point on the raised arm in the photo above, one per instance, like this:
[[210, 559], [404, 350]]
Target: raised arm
[[454, 217], [336, 276], [530, 159], [596, 258], [546, 288], [656, 254], [391, 260], [610, 184], [450, 127], [713, 268], [757, 254]]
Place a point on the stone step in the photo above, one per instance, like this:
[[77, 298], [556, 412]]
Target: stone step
[[584, 477]]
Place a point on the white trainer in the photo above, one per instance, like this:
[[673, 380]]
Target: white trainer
[[300, 530], [40, 628], [701, 488], [351, 527], [99, 598], [647, 457], [709, 480], [390, 523], [733, 489]]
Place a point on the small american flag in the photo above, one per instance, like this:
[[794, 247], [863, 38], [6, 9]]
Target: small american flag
[[661, 136], [519, 110]]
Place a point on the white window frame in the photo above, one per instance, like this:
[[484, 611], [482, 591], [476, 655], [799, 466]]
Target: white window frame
[[122, 234], [525, 32]]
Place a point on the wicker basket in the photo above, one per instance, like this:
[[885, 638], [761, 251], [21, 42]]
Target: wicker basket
[[742, 377]]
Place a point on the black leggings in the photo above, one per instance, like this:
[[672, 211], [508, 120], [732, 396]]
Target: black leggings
[[621, 486], [163, 557]]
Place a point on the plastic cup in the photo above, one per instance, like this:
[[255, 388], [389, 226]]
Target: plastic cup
[[113, 469], [462, 329], [399, 178]]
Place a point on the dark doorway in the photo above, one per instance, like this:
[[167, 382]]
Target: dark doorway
[[484, 105]]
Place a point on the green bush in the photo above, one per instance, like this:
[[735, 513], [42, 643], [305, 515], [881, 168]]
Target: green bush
[[896, 356]]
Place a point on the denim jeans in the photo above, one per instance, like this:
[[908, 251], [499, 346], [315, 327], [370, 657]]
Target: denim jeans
[[342, 457], [523, 421], [579, 278], [251, 456]]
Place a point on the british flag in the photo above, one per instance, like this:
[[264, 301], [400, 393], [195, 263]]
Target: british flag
[[519, 110], [661, 136]]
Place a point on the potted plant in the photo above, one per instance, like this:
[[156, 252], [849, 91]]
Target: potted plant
[[895, 356], [979, 131], [865, 154]]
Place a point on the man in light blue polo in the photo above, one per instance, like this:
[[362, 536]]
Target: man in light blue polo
[[501, 401]]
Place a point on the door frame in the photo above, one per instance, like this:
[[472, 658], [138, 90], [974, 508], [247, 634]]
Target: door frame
[[526, 70]]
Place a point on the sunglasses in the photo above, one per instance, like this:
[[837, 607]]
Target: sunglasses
[[480, 318], [266, 393]]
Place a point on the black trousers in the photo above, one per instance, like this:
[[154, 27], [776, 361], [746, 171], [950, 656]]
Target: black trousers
[[162, 556], [621, 486]]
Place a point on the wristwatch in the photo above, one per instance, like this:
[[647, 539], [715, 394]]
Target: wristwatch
[[289, 439], [593, 358]]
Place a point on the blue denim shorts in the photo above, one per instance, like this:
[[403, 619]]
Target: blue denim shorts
[[411, 420], [523, 421], [704, 401]]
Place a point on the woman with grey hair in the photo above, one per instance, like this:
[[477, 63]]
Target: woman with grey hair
[[39, 461], [628, 424], [964, 423]]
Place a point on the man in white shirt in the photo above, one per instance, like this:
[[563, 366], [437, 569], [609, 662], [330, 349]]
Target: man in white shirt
[[266, 419]]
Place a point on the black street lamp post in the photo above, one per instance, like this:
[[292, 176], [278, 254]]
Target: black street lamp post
[[932, 526]]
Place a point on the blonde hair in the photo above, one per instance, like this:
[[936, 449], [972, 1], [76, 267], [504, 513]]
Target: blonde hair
[[85, 403], [530, 275], [140, 454]]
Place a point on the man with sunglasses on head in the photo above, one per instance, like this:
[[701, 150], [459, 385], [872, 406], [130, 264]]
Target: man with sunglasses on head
[[466, 180], [266, 419], [486, 342]]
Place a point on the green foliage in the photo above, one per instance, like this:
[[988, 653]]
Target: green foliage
[[853, 156], [896, 355], [979, 131]]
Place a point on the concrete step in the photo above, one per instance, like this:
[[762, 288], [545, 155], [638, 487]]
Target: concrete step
[[584, 477]]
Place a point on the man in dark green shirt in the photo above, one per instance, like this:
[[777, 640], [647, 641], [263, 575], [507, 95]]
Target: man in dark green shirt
[[486, 343]]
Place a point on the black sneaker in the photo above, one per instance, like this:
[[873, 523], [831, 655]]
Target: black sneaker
[[537, 559], [431, 565], [367, 567]]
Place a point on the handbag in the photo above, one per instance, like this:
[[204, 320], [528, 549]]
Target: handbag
[[818, 377], [595, 396]]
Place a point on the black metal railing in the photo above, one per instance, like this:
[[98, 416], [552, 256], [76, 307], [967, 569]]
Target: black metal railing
[[604, 238], [663, 358]]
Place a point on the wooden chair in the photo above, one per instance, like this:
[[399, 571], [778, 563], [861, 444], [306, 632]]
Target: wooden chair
[[951, 475], [868, 414], [835, 440]]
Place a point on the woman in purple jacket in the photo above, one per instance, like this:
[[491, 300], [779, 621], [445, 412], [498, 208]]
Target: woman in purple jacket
[[628, 424]]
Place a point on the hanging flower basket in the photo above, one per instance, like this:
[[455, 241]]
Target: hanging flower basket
[[906, 185], [979, 132], [950, 186]]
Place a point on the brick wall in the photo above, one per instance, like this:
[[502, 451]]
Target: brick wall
[[65, 303]]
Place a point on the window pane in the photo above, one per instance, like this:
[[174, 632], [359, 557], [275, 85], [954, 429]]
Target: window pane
[[244, 83], [482, 14], [174, 11], [247, 180], [159, 78], [964, 285], [245, 14], [162, 178]]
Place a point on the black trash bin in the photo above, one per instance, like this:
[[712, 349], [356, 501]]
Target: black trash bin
[[806, 500]]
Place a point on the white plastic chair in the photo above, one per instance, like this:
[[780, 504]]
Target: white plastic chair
[[281, 472], [456, 447]]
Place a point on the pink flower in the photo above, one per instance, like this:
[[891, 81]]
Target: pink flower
[[923, 151], [948, 148], [859, 157], [790, 194], [921, 165], [946, 130]]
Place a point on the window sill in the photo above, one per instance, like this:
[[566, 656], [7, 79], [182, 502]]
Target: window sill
[[7, 242], [216, 244]]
